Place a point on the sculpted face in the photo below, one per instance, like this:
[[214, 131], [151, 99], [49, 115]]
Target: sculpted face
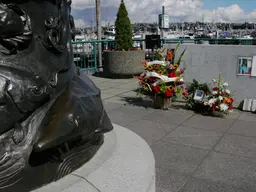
[[34, 49], [52, 121], [35, 57]]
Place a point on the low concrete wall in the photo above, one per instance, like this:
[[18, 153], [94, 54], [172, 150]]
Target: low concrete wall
[[205, 62]]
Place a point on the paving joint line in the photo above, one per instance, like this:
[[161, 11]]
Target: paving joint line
[[117, 94], [176, 127], [193, 147], [237, 134], [209, 152]]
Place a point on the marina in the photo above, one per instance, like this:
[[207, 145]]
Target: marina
[[86, 43]]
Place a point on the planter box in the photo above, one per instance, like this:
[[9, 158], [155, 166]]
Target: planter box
[[123, 63], [161, 103]]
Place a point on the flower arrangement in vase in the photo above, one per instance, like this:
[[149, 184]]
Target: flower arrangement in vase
[[221, 100], [216, 101], [162, 79]]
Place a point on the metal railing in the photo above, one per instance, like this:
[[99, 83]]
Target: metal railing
[[86, 52]]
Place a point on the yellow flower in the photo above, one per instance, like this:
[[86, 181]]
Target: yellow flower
[[171, 88], [139, 49], [145, 88], [160, 72], [175, 66], [150, 67]]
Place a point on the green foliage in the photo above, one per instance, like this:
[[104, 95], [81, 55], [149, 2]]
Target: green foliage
[[179, 92], [195, 105], [196, 85], [123, 29], [181, 56]]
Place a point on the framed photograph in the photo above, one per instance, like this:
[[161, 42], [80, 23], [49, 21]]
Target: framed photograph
[[244, 66], [199, 95]]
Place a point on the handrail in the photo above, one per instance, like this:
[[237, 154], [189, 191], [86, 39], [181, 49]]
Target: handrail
[[164, 40]]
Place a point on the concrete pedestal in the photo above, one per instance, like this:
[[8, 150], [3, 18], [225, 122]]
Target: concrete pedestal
[[124, 163]]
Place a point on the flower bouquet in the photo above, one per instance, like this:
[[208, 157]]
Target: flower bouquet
[[191, 103], [216, 101], [162, 79], [220, 101]]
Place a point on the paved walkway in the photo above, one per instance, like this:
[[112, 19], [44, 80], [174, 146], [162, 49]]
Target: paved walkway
[[193, 153]]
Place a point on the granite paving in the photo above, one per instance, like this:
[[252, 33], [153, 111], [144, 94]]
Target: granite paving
[[193, 153]]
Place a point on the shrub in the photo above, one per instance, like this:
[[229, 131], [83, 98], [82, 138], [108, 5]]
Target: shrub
[[123, 29]]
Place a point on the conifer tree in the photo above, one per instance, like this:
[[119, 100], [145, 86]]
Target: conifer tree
[[123, 29]]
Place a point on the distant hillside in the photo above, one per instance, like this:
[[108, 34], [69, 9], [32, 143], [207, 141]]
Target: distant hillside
[[87, 15]]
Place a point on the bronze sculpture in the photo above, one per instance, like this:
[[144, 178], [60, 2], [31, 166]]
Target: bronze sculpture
[[52, 120]]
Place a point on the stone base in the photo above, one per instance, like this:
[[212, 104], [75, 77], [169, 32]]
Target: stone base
[[123, 63], [124, 163]]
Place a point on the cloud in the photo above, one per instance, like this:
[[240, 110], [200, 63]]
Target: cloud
[[186, 10]]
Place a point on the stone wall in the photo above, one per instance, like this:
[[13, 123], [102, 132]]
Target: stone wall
[[205, 62]]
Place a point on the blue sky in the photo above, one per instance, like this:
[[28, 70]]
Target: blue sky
[[247, 5]]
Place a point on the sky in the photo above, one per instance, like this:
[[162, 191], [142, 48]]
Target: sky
[[247, 5], [181, 10]]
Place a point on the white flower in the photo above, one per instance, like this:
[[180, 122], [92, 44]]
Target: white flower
[[214, 80], [206, 103], [214, 92], [227, 91], [223, 107], [212, 101], [225, 84], [220, 98]]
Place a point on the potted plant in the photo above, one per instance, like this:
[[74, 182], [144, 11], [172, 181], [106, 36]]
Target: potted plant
[[162, 80], [124, 60]]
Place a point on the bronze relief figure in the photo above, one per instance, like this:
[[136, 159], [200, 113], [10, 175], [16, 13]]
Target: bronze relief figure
[[52, 120]]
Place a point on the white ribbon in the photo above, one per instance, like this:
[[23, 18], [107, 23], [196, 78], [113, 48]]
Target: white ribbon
[[156, 62], [162, 78]]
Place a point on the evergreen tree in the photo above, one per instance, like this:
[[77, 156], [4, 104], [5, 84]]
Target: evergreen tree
[[123, 29]]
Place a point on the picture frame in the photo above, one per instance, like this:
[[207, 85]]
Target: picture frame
[[244, 66], [199, 95], [253, 71]]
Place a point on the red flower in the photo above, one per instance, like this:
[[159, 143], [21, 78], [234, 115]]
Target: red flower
[[152, 78], [230, 107], [185, 94], [215, 89], [172, 74], [181, 71], [214, 107], [207, 92], [156, 88], [168, 93]]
